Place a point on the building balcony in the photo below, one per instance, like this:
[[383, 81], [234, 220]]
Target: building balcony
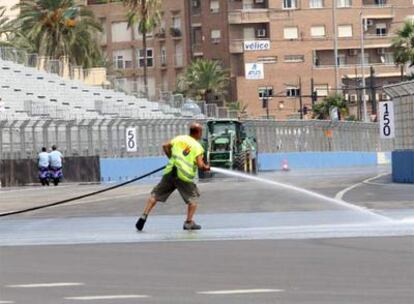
[[249, 16], [378, 11]]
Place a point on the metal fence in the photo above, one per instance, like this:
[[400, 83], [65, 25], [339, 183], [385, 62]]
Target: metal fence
[[403, 98], [106, 137]]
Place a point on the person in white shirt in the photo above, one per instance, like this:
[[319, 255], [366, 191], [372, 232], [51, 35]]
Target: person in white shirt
[[43, 159], [55, 158]]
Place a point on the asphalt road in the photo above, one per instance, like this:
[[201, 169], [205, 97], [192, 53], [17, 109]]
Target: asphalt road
[[258, 245]]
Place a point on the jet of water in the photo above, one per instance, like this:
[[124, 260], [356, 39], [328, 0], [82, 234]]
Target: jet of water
[[358, 209]]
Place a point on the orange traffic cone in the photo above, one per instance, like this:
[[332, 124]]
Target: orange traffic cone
[[285, 165]]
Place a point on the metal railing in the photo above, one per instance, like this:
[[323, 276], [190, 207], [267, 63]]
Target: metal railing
[[106, 137]]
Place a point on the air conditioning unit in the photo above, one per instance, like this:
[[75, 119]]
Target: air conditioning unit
[[196, 3], [354, 98], [381, 51], [370, 22], [261, 33], [385, 96], [353, 52]]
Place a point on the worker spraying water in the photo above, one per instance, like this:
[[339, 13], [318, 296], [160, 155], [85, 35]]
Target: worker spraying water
[[185, 155]]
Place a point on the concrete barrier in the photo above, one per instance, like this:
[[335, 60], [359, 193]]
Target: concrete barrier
[[122, 169], [20, 172]]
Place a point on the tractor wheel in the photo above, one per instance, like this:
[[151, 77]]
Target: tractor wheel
[[240, 161]]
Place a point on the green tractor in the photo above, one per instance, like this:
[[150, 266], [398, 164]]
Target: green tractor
[[231, 144]]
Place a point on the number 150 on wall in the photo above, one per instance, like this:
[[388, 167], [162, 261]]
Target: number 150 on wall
[[387, 125]]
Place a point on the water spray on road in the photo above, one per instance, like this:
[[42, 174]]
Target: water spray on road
[[341, 203]]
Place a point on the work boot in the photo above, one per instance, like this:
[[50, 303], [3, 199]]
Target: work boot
[[141, 222], [191, 225]]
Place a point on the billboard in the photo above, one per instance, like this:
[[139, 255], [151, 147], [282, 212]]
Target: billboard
[[254, 71], [256, 45]]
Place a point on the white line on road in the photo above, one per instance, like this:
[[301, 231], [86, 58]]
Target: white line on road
[[6, 302], [44, 285], [340, 194], [108, 297], [238, 291]]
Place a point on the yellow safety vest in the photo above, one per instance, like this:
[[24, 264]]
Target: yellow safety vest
[[185, 150]]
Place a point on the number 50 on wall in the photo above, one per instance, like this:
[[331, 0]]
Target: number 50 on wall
[[387, 125], [131, 140]]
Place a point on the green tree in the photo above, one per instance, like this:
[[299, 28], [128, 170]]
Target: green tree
[[57, 29], [203, 78], [321, 110], [146, 14], [238, 106], [403, 44]]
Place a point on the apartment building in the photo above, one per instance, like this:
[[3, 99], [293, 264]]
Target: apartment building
[[168, 46], [286, 48]]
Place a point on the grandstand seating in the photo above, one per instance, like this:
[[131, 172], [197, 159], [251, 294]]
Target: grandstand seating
[[31, 93]]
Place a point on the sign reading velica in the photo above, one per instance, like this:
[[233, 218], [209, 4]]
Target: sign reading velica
[[256, 45]]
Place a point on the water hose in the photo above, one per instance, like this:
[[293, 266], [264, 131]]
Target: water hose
[[81, 196]]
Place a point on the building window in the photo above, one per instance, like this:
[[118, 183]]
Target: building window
[[265, 92], [289, 4], [380, 2], [322, 90], [316, 4], [214, 6], [381, 29], [366, 58], [179, 55], [318, 31], [388, 58], [120, 32], [343, 3], [292, 91], [341, 59], [163, 56], [345, 31], [215, 36], [290, 33], [267, 59], [122, 59], [138, 35], [150, 58], [294, 58], [176, 22]]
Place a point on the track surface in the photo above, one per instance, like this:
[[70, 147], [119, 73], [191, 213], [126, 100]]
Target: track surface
[[259, 245]]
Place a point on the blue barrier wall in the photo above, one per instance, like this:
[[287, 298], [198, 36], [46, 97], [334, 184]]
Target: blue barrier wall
[[316, 160], [403, 166], [121, 169]]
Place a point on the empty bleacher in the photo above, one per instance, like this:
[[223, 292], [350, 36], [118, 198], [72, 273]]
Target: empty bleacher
[[31, 93]]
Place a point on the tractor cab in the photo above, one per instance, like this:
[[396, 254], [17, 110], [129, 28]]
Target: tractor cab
[[228, 146]]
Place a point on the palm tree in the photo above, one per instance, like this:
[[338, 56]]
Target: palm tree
[[321, 110], [5, 27], [203, 78], [59, 28], [403, 44], [146, 14]]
